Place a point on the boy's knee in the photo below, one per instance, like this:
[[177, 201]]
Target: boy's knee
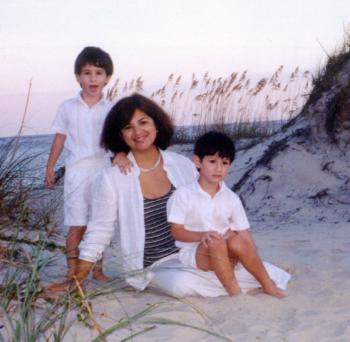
[[217, 245], [238, 245]]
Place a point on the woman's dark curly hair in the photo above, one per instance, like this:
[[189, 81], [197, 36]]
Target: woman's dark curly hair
[[121, 114]]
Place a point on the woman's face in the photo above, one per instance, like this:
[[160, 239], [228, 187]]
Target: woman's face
[[140, 133]]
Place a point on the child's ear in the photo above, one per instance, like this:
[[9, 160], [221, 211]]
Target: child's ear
[[107, 79], [77, 77], [197, 161]]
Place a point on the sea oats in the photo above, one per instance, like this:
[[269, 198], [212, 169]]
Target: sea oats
[[243, 76], [174, 97], [170, 78], [237, 87], [178, 80], [194, 84], [139, 84], [259, 86], [233, 76]]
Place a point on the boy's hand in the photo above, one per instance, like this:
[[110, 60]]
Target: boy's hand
[[122, 162], [229, 233], [208, 236], [50, 177]]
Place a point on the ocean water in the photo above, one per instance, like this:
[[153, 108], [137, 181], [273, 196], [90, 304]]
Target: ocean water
[[35, 149]]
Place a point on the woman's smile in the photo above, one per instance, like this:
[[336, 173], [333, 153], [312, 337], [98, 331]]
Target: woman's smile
[[140, 133]]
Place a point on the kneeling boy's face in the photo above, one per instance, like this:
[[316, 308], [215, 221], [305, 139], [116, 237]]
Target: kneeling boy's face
[[212, 168], [92, 80]]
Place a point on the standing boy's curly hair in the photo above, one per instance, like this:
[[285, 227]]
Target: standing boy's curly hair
[[94, 56], [214, 142]]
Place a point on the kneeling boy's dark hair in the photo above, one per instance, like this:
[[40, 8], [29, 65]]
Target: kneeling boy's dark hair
[[214, 142], [94, 56]]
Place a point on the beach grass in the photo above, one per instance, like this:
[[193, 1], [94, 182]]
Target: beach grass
[[236, 104]]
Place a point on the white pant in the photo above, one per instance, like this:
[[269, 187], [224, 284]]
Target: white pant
[[177, 280], [78, 185]]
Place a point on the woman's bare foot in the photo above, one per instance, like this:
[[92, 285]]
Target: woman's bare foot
[[59, 286], [101, 277]]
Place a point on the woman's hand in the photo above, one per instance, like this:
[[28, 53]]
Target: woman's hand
[[123, 163], [206, 237]]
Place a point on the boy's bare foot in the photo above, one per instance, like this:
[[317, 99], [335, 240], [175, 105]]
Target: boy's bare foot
[[274, 291], [286, 268], [255, 291], [234, 291], [101, 277]]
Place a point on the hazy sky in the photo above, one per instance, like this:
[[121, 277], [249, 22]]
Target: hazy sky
[[41, 38]]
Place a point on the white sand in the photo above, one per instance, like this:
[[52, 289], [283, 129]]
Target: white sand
[[316, 309]]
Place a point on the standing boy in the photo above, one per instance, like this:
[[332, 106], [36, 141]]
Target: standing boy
[[78, 125], [209, 223]]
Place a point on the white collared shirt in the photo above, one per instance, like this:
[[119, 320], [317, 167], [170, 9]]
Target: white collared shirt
[[118, 199], [82, 126], [191, 206]]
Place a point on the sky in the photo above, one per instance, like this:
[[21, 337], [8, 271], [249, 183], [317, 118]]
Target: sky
[[40, 40]]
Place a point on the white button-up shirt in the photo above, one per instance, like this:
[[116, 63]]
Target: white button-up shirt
[[191, 206], [82, 126], [118, 199]]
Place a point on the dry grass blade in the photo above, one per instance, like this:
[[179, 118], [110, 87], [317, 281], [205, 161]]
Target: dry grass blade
[[8, 319], [139, 333], [165, 321], [88, 308], [23, 120], [125, 322]]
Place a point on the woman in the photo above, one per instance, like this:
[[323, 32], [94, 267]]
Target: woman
[[137, 202]]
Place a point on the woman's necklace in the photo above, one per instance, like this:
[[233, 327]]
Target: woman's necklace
[[142, 169]]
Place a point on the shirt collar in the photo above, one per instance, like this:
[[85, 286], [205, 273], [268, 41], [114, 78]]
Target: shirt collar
[[204, 193], [103, 100]]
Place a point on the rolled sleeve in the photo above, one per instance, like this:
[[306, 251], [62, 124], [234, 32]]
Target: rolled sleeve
[[59, 123], [176, 207], [238, 215], [101, 227]]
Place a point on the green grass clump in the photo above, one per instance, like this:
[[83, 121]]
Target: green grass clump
[[324, 77]]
